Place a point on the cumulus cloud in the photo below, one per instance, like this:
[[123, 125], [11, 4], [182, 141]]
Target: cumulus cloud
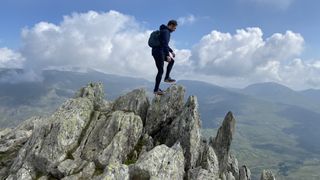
[[10, 59], [240, 54], [111, 41], [190, 19], [246, 57], [116, 43]]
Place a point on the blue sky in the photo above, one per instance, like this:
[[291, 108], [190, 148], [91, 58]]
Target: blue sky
[[230, 43], [226, 16]]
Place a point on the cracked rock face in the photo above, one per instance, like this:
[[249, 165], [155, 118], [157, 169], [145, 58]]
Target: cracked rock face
[[186, 129], [222, 142], [51, 141], [12, 140], [161, 162], [135, 101], [164, 109], [88, 137]]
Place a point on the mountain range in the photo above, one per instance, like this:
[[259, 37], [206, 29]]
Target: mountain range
[[277, 127]]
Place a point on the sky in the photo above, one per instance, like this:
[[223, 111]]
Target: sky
[[230, 43]]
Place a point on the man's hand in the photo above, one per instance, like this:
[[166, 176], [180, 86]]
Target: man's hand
[[168, 59], [173, 54]]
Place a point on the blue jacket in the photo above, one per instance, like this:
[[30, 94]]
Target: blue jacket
[[164, 41]]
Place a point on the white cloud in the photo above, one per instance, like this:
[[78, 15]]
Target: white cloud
[[111, 42], [240, 54], [116, 43], [190, 19], [245, 58], [10, 59]]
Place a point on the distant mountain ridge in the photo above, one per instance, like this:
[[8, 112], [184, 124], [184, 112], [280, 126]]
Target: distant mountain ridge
[[267, 127]]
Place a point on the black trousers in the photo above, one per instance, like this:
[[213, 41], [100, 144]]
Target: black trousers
[[159, 60]]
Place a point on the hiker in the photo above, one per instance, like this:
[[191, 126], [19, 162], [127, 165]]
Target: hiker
[[164, 53]]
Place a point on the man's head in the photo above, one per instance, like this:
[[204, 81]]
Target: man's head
[[172, 25]]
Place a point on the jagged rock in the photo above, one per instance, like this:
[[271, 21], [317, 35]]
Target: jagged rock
[[164, 109], [229, 176], [233, 166], [58, 135], [86, 173], [95, 93], [4, 132], [90, 138], [161, 162], [244, 173], [51, 142], [135, 101], [26, 172], [186, 129], [222, 142], [114, 171], [147, 144], [210, 161], [130, 129], [201, 174], [69, 166], [267, 175], [11, 141], [110, 140]]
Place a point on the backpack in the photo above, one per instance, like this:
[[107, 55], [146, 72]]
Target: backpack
[[154, 39]]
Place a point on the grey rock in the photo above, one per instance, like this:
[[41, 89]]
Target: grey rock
[[161, 162], [26, 172], [135, 101], [233, 166], [164, 109], [201, 174], [129, 128], [95, 93], [4, 132], [110, 139], [229, 176], [186, 129], [86, 173], [267, 175], [90, 138], [210, 161], [148, 144], [114, 171], [57, 136], [222, 142], [43, 178], [69, 166], [11, 142], [244, 173]]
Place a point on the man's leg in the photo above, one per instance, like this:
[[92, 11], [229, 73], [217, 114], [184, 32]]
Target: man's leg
[[169, 67], [159, 63]]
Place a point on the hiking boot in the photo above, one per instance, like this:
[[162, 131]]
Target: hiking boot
[[170, 80], [159, 92]]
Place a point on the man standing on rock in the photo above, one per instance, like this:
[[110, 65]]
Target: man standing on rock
[[164, 53]]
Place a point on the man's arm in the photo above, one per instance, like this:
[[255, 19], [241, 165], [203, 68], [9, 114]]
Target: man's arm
[[164, 40]]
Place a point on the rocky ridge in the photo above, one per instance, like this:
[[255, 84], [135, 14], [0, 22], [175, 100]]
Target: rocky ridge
[[88, 137]]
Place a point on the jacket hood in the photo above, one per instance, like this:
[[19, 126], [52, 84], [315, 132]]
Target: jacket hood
[[164, 27]]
